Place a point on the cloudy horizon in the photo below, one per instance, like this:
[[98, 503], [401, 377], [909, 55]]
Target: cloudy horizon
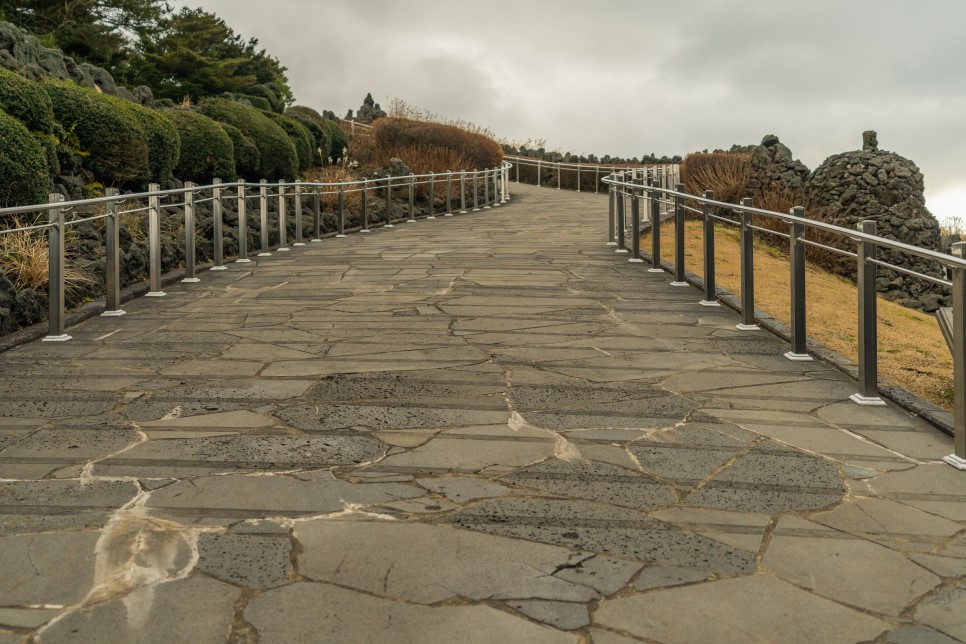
[[628, 78]]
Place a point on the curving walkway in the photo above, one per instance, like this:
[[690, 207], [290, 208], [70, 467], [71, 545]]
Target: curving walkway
[[477, 429]]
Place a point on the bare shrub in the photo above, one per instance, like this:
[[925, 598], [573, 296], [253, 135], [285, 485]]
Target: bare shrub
[[726, 173], [25, 258], [393, 135], [352, 201]]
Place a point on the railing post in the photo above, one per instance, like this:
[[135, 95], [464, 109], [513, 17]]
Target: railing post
[[518, 171], [538, 173], [747, 270], [506, 185], [476, 190], [449, 194], [55, 272], [412, 199], [868, 332], [317, 212], [578, 177], [486, 190], [432, 205], [217, 226], [242, 225], [263, 212], [341, 220], [462, 192], [596, 178], [388, 203], [112, 259], [958, 458], [559, 172], [298, 216], [796, 250], [365, 206], [282, 219], [679, 279], [154, 243], [654, 198], [621, 223], [189, 234], [612, 216], [636, 224], [710, 295]]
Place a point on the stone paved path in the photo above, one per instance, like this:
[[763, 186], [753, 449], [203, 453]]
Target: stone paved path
[[488, 428]]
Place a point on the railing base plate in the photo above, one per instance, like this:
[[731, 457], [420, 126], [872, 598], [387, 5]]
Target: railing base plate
[[314, 241], [431, 217], [656, 270], [243, 261], [621, 251], [113, 314], [264, 255], [870, 401], [709, 303], [190, 280], [798, 357], [955, 461], [283, 250], [748, 327], [680, 284], [57, 338], [155, 294], [364, 230], [449, 214], [298, 244], [386, 226], [611, 243], [341, 236], [635, 260], [218, 268]]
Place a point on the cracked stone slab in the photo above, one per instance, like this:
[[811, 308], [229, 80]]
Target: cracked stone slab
[[434, 385], [771, 479], [594, 481], [620, 532], [320, 612], [943, 611], [191, 610], [910, 634], [668, 576], [566, 616], [246, 560], [226, 499], [853, 572], [743, 530], [462, 489], [753, 608], [39, 506], [177, 458], [889, 523], [934, 488], [415, 359], [321, 418], [40, 569], [428, 564], [78, 444], [25, 618]]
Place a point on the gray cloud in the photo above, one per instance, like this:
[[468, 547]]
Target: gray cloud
[[629, 77]]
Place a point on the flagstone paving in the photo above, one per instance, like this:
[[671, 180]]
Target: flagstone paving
[[482, 428]]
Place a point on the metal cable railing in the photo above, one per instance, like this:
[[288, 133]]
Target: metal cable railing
[[666, 174], [631, 185], [487, 189]]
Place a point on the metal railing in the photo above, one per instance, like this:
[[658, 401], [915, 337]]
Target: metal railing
[[487, 189], [667, 175], [635, 186]]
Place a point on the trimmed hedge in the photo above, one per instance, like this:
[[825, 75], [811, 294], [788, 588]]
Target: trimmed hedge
[[266, 92], [276, 151], [161, 135], [247, 158], [206, 150], [109, 134], [338, 139], [24, 176], [301, 137], [26, 100], [313, 124]]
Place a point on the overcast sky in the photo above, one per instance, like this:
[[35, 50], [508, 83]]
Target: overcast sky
[[629, 77]]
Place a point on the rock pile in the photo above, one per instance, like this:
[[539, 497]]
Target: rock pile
[[872, 184], [25, 55], [774, 168]]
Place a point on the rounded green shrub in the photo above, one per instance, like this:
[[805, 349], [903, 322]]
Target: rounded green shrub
[[276, 151], [161, 136], [206, 149], [24, 176], [247, 158], [107, 134], [338, 139], [311, 121], [257, 102], [268, 93], [300, 136], [26, 100]]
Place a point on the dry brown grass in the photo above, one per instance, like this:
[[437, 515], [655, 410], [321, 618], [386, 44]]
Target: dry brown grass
[[25, 257], [330, 195], [726, 173], [398, 137], [912, 351]]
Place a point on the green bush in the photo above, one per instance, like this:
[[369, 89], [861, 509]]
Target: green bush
[[276, 151], [338, 139], [247, 158], [206, 149], [268, 93], [26, 100], [161, 135], [300, 136], [106, 133], [311, 121], [24, 177], [257, 102]]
